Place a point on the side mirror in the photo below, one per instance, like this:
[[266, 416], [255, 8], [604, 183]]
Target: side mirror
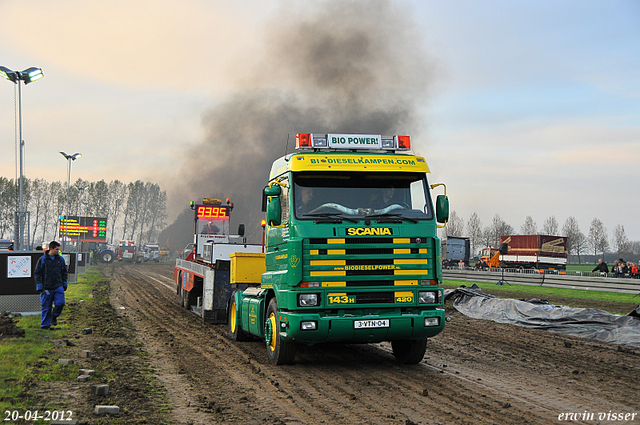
[[241, 230], [274, 210], [504, 248], [442, 209], [269, 191], [274, 190]]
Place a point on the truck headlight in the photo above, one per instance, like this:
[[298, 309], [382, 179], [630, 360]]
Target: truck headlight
[[307, 300], [427, 297], [430, 322], [309, 326]]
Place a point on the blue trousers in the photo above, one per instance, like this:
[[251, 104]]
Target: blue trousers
[[48, 298]]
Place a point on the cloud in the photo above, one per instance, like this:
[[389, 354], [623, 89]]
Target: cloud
[[147, 44]]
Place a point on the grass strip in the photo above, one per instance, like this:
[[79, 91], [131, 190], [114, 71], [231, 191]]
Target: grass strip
[[545, 292], [19, 355]]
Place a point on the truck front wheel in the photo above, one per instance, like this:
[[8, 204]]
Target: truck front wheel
[[409, 351], [279, 352]]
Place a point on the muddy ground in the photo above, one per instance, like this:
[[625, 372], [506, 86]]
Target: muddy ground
[[474, 372]]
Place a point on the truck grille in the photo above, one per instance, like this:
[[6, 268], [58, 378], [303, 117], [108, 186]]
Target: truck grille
[[367, 262]]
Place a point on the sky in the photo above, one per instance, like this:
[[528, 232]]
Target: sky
[[527, 108]]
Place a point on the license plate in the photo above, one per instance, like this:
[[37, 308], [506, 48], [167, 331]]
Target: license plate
[[370, 324]]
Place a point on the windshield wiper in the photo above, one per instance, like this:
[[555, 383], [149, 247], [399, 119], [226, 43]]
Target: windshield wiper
[[390, 217], [330, 215]]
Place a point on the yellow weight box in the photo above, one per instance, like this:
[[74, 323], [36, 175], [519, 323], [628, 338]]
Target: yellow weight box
[[247, 267]]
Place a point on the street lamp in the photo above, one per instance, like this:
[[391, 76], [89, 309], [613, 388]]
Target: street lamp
[[27, 76], [81, 189], [68, 158]]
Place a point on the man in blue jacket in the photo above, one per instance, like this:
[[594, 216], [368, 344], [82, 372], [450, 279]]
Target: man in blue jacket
[[51, 282]]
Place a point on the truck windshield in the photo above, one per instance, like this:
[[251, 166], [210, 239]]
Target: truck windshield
[[357, 195], [213, 226]]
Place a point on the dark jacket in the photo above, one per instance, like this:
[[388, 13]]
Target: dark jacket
[[602, 267], [51, 272]]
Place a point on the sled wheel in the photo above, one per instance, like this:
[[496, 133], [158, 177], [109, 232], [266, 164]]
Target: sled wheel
[[279, 352]]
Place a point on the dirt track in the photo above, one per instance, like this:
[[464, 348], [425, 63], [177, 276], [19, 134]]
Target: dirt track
[[475, 372]]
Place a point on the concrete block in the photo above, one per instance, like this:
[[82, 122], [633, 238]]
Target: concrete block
[[83, 378], [86, 354], [59, 343], [89, 372], [100, 389], [87, 331], [66, 362], [107, 410]]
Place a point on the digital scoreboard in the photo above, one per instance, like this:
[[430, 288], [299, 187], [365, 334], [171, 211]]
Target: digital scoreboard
[[212, 212], [83, 229]]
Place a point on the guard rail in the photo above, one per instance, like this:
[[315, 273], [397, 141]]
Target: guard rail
[[550, 278]]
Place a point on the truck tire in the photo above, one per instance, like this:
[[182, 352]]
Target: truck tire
[[179, 286], [409, 351], [235, 330], [107, 256], [278, 351], [185, 299]]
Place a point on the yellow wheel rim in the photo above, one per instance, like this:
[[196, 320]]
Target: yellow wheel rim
[[274, 332], [232, 319]]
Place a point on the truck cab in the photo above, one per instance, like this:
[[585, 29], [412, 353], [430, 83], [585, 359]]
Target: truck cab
[[151, 252], [352, 253]]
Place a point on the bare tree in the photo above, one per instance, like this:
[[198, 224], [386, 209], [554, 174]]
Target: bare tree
[[580, 244], [133, 210], [117, 195], [455, 225], [621, 242], [498, 228], [7, 207], [39, 189], [474, 229], [571, 229], [156, 212], [50, 219], [529, 227], [550, 226], [598, 237], [97, 199]]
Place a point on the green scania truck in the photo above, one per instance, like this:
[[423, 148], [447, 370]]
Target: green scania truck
[[351, 252]]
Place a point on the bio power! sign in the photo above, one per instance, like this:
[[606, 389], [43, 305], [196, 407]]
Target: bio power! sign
[[19, 266], [354, 141]]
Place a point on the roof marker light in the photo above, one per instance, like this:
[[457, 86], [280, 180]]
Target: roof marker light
[[404, 142], [303, 141]]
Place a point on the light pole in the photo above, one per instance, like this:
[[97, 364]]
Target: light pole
[[69, 158], [28, 75], [82, 219]]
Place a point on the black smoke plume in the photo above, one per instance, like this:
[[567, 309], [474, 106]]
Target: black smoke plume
[[345, 66]]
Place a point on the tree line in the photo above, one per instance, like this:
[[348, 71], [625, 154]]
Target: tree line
[[134, 211], [596, 241]]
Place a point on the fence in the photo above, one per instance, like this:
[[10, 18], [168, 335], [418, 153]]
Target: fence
[[553, 279]]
